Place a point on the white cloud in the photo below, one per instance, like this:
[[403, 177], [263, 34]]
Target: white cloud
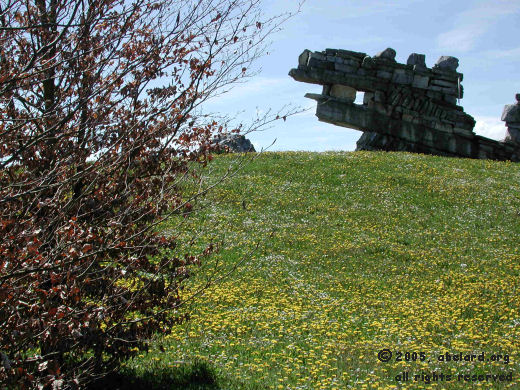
[[459, 39], [474, 22], [510, 53], [490, 127], [353, 9]]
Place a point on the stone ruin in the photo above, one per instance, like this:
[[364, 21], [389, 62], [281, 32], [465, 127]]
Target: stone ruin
[[405, 107]]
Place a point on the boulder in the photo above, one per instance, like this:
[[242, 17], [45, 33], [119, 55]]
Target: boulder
[[419, 60], [447, 63], [388, 54], [234, 143]]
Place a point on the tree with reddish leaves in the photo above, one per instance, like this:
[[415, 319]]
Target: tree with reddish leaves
[[101, 122]]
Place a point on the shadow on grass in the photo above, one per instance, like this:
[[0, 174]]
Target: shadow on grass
[[198, 376]]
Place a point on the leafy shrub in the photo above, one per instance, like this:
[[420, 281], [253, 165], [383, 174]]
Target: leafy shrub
[[101, 126]]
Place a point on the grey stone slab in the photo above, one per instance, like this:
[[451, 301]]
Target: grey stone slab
[[513, 135], [446, 74], [448, 63], [350, 54], [351, 62], [450, 99], [345, 68], [303, 59], [380, 97], [435, 88], [420, 81], [511, 113], [402, 77], [367, 97], [418, 60], [323, 64], [396, 99], [384, 74], [434, 94], [458, 130], [444, 83], [388, 54], [368, 63], [318, 56]]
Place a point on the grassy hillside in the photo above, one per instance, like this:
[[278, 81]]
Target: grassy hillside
[[358, 252]]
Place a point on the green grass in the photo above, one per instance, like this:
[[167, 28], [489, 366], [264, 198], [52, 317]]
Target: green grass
[[357, 252]]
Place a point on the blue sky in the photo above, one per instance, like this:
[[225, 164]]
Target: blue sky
[[482, 34]]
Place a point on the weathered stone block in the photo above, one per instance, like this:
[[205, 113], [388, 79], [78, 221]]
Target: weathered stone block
[[388, 54], [367, 97], [315, 62], [487, 149], [461, 131], [452, 145], [465, 125], [351, 62], [444, 83], [511, 113], [400, 76], [443, 127], [379, 97], [316, 55], [418, 60], [407, 102], [396, 99], [303, 59], [384, 74], [407, 117], [447, 63], [434, 95], [420, 81], [450, 99], [513, 135], [326, 89], [435, 88], [350, 54], [345, 68], [380, 108], [343, 92], [368, 63], [417, 104]]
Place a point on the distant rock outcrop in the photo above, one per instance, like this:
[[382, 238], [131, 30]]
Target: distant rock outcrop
[[234, 143], [406, 107]]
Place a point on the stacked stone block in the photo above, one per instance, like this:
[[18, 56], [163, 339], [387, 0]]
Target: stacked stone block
[[405, 107], [511, 115]]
